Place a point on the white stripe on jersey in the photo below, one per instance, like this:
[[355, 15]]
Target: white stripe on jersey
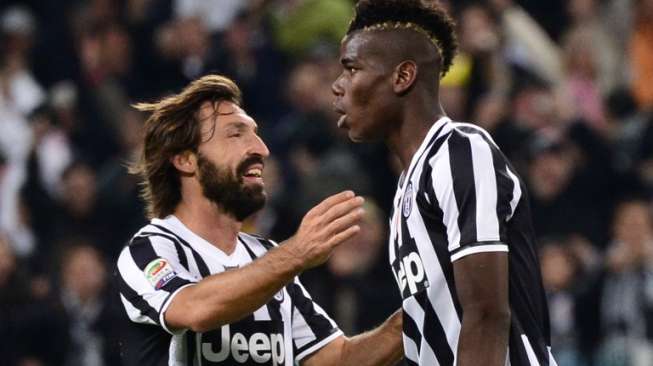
[[516, 192], [134, 314], [410, 349], [303, 336], [529, 351], [414, 310], [487, 226], [443, 180], [439, 293]]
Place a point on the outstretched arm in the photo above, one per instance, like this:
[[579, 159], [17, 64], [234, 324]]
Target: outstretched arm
[[229, 296], [482, 286], [380, 346]]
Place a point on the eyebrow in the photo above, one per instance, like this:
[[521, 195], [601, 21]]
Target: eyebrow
[[241, 126]]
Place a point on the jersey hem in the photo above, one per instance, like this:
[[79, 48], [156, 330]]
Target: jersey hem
[[317, 346], [479, 248], [165, 306]]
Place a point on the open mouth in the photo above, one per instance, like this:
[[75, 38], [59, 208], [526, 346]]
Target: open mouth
[[342, 121], [252, 172]]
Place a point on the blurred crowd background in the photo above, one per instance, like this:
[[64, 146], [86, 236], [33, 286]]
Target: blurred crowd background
[[564, 86]]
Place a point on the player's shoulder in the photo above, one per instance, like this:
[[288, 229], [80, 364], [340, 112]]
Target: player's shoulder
[[463, 136], [154, 235]]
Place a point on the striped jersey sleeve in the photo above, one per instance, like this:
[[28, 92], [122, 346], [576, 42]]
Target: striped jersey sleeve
[[149, 274], [312, 328], [476, 191]]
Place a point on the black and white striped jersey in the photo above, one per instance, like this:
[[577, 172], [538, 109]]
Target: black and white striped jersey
[[458, 197], [163, 258]]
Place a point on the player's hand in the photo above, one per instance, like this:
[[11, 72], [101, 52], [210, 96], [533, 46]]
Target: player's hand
[[324, 227]]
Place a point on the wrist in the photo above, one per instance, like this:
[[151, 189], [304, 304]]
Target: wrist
[[294, 262]]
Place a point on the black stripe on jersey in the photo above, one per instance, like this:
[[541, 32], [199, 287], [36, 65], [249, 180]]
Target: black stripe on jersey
[[136, 300], [462, 175], [264, 242], [320, 326], [190, 347], [144, 345], [433, 216], [181, 254], [505, 185], [249, 250], [201, 265], [412, 331], [434, 333]]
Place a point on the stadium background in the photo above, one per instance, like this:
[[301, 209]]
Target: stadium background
[[565, 88]]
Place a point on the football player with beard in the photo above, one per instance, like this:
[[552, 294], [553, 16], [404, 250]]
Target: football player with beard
[[196, 290]]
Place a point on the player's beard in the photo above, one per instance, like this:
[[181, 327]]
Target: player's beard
[[229, 192]]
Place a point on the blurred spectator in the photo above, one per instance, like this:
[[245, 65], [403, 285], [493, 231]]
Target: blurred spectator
[[77, 212], [588, 24], [631, 130], [91, 321], [216, 15], [301, 25], [627, 300], [527, 45], [560, 178], [118, 192], [641, 53], [27, 316], [248, 55], [567, 266], [581, 85], [19, 89]]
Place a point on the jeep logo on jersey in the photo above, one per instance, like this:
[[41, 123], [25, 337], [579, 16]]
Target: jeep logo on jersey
[[242, 347], [408, 200], [410, 275]]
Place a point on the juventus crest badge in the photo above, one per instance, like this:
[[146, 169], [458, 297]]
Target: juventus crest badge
[[408, 200]]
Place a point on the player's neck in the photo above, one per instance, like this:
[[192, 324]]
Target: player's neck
[[412, 130], [209, 222]]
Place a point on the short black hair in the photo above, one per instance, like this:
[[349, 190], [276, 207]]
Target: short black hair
[[427, 14]]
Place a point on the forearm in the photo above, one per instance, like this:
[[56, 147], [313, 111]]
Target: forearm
[[483, 339], [380, 346], [229, 296]]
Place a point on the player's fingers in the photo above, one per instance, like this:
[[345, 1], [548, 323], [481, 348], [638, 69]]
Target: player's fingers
[[342, 208], [330, 201], [343, 235], [345, 221]]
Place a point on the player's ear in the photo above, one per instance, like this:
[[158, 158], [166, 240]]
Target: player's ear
[[404, 76], [185, 162]]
